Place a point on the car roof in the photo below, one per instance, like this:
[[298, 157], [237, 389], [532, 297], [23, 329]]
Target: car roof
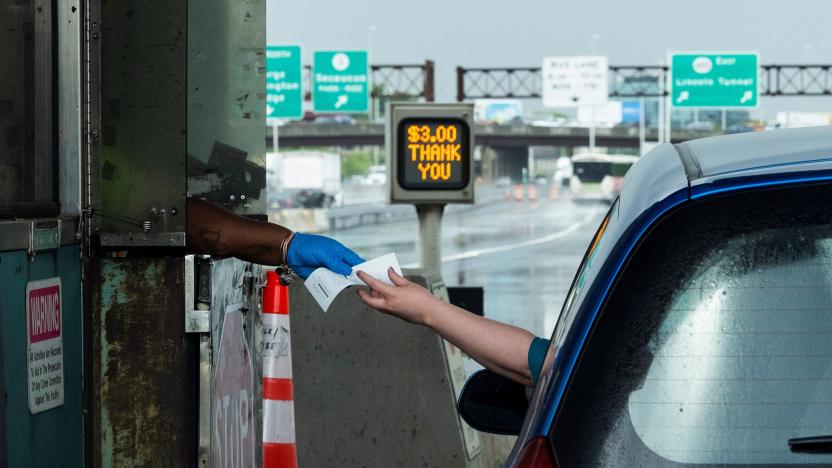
[[774, 150], [704, 165]]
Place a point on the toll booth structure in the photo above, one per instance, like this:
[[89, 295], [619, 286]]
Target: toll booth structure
[[111, 115], [117, 347]]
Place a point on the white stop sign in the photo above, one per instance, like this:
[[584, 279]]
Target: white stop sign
[[232, 414]]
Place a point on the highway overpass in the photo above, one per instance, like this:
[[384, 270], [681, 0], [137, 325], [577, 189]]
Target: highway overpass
[[310, 134]]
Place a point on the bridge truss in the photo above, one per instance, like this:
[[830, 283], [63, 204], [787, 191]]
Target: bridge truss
[[635, 81]]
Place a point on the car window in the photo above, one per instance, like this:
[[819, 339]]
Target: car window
[[715, 346], [595, 254]]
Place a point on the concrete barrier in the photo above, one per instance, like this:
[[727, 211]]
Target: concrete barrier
[[301, 219], [372, 390]]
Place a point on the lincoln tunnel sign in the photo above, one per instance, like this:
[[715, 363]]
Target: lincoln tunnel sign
[[714, 79]]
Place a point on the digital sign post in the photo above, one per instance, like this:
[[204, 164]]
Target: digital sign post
[[430, 148]]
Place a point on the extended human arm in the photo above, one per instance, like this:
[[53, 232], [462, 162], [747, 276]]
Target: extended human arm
[[216, 231], [499, 347]]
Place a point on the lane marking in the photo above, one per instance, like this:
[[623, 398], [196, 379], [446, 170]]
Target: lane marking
[[517, 245]]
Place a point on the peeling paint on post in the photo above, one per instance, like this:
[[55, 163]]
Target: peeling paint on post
[[140, 364]]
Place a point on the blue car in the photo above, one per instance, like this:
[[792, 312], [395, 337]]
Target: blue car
[[698, 328]]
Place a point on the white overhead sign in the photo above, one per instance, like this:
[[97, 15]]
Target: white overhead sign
[[45, 341], [575, 81]]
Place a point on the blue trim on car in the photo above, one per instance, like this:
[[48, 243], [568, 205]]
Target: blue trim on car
[[749, 183]]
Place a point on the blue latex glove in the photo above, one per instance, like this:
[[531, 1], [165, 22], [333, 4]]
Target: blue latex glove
[[310, 251]]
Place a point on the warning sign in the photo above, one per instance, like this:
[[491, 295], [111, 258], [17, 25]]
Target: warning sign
[[44, 324]]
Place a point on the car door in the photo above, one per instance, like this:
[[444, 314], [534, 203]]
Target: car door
[[714, 347]]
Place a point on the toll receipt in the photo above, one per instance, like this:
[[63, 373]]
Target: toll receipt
[[325, 285]]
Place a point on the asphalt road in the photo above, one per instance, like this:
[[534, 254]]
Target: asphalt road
[[524, 253]]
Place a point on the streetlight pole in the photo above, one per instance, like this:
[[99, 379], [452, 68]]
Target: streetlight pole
[[371, 32]]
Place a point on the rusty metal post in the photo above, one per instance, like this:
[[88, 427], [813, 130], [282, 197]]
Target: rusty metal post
[[460, 84], [429, 88]]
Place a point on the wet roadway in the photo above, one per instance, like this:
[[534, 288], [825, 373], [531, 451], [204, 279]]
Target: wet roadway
[[523, 253]]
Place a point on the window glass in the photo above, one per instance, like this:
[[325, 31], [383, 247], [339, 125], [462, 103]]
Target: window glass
[[16, 95], [27, 182], [716, 345], [596, 253]]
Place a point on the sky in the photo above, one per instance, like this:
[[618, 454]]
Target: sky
[[521, 32]]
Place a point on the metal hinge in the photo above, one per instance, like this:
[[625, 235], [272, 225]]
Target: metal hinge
[[197, 321]]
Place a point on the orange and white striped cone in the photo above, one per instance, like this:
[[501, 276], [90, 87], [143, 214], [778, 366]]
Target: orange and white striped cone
[[553, 192], [532, 193], [279, 447], [518, 193]]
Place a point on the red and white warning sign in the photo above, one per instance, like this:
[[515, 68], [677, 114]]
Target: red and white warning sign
[[233, 394], [44, 324]]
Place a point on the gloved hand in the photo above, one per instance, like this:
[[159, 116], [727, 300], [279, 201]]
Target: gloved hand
[[309, 251]]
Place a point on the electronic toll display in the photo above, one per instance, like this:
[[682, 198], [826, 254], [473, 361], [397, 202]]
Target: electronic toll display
[[436, 154], [431, 148]]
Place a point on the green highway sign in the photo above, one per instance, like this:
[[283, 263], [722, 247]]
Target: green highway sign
[[340, 81], [284, 93], [714, 80]]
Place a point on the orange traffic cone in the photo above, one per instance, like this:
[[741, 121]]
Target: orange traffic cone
[[279, 447], [553, 192], [518, 193]]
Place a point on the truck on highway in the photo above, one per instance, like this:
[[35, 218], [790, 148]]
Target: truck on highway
[[304, 179]]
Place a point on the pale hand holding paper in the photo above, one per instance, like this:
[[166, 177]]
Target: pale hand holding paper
[[324, 285]]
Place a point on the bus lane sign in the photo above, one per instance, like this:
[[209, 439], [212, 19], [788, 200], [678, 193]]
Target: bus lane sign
[[45, 346]]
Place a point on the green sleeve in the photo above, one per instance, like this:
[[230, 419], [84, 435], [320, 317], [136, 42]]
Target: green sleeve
[[537, 353]]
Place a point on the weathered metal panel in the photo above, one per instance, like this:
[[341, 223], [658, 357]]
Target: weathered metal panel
[[143, 116], [226, 103], [141, 364], [54, 437]]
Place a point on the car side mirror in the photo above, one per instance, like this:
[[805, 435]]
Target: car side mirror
[[492, 403]]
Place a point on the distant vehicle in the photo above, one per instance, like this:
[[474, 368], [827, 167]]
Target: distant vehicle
[[376, 176], [504, 181], [697, 329], [306, 179], [541, 180], [598, 177], [340, 119], [739, 129], [563, 172], [702, 125]]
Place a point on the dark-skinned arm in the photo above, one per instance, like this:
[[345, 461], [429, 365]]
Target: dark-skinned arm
[[213, 230]]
